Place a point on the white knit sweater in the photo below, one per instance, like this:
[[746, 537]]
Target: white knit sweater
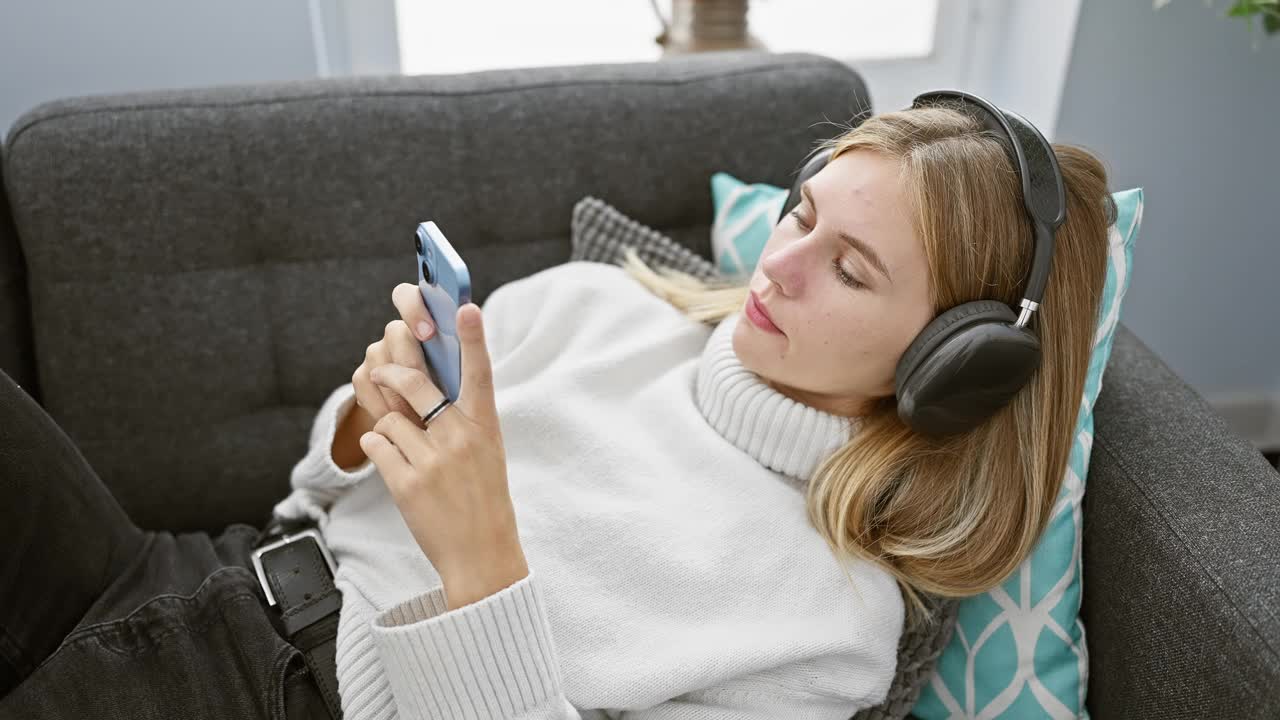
[[659, 500]]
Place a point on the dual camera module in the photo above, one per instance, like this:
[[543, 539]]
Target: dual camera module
[[426, 268]]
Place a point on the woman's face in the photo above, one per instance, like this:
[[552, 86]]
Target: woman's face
[[838, 343]]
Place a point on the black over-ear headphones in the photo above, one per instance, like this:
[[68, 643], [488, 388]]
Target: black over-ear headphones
[[970, 360]]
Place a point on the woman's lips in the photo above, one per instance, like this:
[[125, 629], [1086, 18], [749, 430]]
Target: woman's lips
[[759, 317]]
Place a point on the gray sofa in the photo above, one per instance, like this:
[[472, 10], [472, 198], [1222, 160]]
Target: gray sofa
[[185, 275]]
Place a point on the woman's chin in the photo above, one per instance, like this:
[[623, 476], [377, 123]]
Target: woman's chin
[[752, 351]]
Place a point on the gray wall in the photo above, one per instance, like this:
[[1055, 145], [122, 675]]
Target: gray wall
[[58, 48], [1176, 101]]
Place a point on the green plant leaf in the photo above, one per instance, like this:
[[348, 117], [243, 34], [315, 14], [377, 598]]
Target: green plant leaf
[[1271, 22], [1242, 8]]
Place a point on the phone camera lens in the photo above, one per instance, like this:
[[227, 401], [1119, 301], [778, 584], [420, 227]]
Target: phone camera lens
[[417, 242], [426, 273]]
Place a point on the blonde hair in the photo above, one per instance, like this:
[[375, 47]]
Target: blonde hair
[[955, 516]]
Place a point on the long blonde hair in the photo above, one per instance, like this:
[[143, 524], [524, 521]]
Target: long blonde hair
[[953, 517]]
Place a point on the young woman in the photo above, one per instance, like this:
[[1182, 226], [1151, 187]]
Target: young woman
[[649, 500]]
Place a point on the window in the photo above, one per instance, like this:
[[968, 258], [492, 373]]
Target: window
[[1015, 54], [436, 36], [845, 29]]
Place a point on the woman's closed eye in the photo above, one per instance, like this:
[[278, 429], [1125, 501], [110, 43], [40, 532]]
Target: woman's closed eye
[[841, 274]]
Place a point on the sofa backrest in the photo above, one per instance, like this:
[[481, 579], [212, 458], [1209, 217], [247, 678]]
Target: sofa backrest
[[205, 266]]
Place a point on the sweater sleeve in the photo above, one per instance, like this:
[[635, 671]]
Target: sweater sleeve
[[316, 479], [496, 658]]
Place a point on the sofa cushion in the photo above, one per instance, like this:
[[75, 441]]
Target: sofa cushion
[[599, 232], [745, 215]]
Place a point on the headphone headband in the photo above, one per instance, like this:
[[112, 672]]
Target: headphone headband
[[1033, 158]]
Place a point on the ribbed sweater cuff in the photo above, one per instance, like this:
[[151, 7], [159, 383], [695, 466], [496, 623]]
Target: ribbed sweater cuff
[[316, 478], [317, 468], [494, 658]]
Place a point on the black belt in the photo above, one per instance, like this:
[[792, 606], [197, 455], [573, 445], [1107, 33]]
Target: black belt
[[296, 571]]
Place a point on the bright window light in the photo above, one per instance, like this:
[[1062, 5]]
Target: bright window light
[[846, 29], [452, 37]]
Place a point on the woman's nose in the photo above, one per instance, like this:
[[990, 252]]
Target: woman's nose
[[789, 265]]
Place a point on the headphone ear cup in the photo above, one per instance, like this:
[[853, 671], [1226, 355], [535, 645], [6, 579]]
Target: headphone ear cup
[[963, 367], [936, 331]]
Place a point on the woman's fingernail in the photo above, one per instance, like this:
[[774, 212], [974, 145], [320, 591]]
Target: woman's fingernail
[[424, 330]]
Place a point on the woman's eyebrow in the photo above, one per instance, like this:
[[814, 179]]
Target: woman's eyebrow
[[854, 242]]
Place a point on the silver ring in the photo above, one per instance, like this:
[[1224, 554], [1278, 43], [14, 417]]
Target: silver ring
[[444, 403]]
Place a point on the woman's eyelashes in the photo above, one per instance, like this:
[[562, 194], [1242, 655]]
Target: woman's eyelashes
[[845, 277], [841, 274]]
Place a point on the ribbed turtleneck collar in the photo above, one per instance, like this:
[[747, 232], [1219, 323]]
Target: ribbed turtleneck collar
[[782, 434]]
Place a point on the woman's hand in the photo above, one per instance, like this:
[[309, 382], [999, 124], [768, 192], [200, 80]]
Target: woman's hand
[[450, 480], [400, 345]]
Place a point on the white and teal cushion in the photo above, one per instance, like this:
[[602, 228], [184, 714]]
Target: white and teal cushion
[[1019, 649], [745, 215]]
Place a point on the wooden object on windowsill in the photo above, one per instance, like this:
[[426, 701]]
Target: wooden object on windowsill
[[705, 25]]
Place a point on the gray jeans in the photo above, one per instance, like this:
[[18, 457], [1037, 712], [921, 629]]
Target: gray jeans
[[100, 619]]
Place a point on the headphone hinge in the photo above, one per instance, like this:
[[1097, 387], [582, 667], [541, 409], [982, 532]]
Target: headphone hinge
[[1024, 317]]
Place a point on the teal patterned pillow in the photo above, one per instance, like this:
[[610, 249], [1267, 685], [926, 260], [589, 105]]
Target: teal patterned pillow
[[1018, 650], [745, 215]]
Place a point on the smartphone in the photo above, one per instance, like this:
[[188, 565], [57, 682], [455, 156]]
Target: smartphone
[[445, 284]]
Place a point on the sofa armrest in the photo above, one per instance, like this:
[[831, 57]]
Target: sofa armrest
[[1181, 553], [17, 357]]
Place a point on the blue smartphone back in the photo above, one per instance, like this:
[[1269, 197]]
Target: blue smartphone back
[[445, 284]]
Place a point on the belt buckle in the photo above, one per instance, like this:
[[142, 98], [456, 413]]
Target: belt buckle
[[288, 538]]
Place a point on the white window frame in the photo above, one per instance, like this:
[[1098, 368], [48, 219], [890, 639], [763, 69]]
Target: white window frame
[[355, 37]]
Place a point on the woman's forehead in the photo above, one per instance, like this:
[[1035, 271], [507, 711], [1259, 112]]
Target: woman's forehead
[[862, 191], [861, 176]]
